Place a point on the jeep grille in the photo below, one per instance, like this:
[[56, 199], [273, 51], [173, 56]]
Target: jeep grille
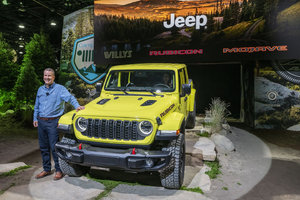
[[113, 129]]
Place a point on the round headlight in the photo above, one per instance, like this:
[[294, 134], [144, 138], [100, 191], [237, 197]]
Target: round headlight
[[146, 127], [81, 124]]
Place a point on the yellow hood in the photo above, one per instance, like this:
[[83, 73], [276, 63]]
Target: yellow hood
[[134, 106]]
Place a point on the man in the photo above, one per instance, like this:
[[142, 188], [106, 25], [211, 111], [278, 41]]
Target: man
[[167, 80], [49, 106]]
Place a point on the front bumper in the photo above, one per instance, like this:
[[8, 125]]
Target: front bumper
[[142, 160]]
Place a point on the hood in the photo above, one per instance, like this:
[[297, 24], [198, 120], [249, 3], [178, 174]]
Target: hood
[[129, 106]]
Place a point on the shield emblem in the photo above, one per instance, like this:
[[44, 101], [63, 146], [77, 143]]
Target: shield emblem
[[83, 60]]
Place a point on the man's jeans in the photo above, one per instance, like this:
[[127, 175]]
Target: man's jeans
[[48, 137]]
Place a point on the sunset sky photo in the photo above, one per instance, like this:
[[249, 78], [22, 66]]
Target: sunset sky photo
[[155, 9]]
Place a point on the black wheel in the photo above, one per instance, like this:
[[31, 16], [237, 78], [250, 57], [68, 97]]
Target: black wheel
[[70, 168], [191, 120], [172, 175]]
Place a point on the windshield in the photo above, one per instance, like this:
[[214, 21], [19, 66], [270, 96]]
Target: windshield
[[141, 80]]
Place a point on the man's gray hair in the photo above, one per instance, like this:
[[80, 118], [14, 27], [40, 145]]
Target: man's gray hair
[[51, 70]]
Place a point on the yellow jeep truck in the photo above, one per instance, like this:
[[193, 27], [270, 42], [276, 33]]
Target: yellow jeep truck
[[136, 124]]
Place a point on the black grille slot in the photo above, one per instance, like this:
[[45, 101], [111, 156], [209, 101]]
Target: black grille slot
[[90, 128], [148, 103], [103, 101], [113, 129]]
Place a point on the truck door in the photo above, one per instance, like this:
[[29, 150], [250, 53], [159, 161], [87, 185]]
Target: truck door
[[183, 97]]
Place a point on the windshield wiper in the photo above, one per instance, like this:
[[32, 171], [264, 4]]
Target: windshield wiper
[[123, 90], [155, 94]]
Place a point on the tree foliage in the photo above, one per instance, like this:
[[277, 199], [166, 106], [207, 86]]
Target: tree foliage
[[40, 53], [84, 25], [38, 56], [122, 29], [67, 46], [79, 87], [27, 83], [8, 68]]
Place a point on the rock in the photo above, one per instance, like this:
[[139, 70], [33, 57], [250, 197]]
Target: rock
[[201, 180], [10, 166], [294, 128], [268, 92], [223, 132], [196, 158], [223, 144], [140, 192], [196, 162], [206, 129], [226, 127], [197, 153], [189, 174], [196, 128], [263, 108], [208, 148]]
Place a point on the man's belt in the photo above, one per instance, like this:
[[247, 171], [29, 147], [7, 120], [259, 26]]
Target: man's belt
[[48, 118]]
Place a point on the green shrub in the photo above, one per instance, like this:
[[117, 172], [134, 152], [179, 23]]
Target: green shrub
[[8, 66], [214, 169], [219, 113], [7, 100]]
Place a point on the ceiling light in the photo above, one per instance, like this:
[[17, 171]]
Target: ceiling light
[[21, 26], [20, 52], [21, 46], [4, 2], [20, 38], [53, 24]]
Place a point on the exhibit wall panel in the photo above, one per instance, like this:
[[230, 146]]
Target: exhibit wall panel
[[76, 25], [190, 31], [277, 95]]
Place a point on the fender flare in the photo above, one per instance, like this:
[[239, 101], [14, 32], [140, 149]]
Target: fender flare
[[173, 121]]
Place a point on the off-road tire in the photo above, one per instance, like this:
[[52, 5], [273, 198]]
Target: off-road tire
[[191, 120], [70, 168], [172, 175]]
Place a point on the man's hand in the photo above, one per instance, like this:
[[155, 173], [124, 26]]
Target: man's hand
[[80, 108], [35, 124]]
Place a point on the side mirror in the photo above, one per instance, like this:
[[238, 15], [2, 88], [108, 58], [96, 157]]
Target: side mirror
[[186, 88], [98, 88]]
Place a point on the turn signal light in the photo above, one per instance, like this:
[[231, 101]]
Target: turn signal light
[[177, 132], [80, 146]]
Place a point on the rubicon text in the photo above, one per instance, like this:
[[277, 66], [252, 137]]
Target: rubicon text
[[176, 52]]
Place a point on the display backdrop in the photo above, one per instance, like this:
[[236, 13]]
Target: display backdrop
[[195, 31], [76, 25], [77, 53], [277, 95], [207, 31]]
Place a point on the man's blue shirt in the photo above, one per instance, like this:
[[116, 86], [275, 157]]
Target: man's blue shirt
[[50, 102]]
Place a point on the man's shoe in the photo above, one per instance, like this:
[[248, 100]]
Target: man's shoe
[[42, 174], [58, 175]]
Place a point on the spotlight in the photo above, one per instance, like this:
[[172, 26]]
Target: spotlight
[[21, 26], [4, 2]]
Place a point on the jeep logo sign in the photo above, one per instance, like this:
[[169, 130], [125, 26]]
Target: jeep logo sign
[[83, 60], [189, 21]]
